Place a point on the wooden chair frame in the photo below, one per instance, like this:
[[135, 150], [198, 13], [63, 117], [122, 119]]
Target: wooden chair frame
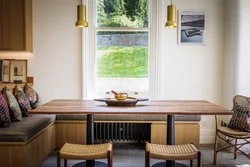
[[231, 136]]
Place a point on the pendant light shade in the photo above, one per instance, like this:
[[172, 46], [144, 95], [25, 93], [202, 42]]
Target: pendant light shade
[[81, 17], [171, 14]]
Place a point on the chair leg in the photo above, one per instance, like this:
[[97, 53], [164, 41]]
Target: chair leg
[[110, 159], [199, 159], [147, 159], [58, 159], [65, 162], [235, 149], [191, 163], [215, 148]]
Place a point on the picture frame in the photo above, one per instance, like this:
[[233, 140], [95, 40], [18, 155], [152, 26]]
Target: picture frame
[[18, 71], [191, 27], [6, 71]]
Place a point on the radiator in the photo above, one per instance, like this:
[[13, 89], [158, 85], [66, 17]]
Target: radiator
[[122, 132]]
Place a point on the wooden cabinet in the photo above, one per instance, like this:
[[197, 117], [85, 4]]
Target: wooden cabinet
[[16, 25], [186, 132]]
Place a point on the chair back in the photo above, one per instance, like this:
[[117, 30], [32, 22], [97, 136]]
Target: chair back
[[239, 99]]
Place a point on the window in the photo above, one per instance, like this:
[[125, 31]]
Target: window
[[120, 48]]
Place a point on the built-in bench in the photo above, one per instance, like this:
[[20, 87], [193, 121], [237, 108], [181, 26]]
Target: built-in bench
[[27, 143]]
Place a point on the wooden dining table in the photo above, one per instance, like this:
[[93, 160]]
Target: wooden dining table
[[151, 107]]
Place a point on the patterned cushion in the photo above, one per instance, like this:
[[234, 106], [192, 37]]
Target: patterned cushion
[[241, 118], [15, 111], [33, 97], [22, 100], [4, 112]]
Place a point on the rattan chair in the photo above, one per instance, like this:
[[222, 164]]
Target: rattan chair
[[85, 152], [172, 152], [231, 136]]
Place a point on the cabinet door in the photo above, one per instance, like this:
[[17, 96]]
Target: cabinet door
[[13, 24]]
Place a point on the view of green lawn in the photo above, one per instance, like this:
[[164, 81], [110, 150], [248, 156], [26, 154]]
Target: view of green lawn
[[131, 59], [122, 61]]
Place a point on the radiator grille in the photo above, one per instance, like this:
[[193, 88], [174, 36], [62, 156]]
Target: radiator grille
[[122, 132]]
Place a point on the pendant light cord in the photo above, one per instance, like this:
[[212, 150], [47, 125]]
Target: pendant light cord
[[171, 2]]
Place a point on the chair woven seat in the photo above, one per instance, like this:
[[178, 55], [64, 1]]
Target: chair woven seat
[[233, 132], [173, 152], [87, 152]]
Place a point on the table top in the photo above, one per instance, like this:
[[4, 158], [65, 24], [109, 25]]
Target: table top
[[151, 107]]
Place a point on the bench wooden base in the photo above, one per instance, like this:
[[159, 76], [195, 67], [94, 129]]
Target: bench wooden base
[[30, 153], [186, 132]]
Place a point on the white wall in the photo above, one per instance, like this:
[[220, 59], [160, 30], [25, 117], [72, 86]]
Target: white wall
[[237, 57], [56, 60], [56, 65], [186, 72], [194, 72]]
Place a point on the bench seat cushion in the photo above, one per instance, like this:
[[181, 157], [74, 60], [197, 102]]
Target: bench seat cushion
[[113, 117], [24, 130]]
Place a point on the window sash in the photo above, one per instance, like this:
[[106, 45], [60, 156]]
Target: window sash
[[89, 51]]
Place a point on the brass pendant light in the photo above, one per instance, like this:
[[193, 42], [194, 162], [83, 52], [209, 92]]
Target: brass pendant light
[[171, 14], [81, 16]]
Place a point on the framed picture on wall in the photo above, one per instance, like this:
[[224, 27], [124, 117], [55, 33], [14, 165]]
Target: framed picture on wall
[[191, 27], [18, 71], [6, 71]]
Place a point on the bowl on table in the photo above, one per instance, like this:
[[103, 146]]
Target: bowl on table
[[121, 96]]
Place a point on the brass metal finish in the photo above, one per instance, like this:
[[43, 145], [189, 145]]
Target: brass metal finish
[[121, 96], [81, 17], [171, 14]]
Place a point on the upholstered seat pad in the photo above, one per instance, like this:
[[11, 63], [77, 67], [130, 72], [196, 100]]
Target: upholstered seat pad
[[24, 130], [85, 152], [123, 117], [172, 152]]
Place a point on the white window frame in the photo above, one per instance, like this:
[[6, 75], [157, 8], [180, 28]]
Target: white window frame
[[88, 52]]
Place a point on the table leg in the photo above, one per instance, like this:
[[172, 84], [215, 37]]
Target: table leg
[[171, 139], [90, 136], [90, 140], [170, 136]]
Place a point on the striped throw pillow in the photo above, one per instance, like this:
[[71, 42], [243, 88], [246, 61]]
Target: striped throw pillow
[[241, 118], [22, 101], [4, 112], [15, 111], [32, 96]]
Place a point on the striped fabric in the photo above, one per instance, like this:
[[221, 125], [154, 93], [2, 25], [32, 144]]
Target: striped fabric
[[15, 111], [22, 101], [32, 96], [4, 112], [241, 118]]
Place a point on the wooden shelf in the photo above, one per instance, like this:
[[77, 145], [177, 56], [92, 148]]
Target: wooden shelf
[[11, 86]]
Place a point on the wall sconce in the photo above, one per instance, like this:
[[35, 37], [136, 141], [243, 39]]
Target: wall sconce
[[81, 16], [171, 15]]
